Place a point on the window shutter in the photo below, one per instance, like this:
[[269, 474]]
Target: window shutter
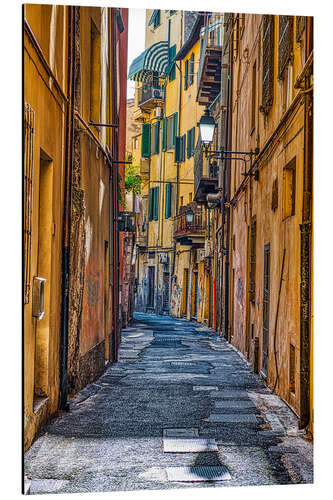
[[168, 188], [193, 140], [174, 128], [155, 203], [183, 147], [164, 134], [172, 70], [157, 137], [178, 150], [145, 149], [151, 202], [191, 68], [186, 74], [268, 62], [188, 152], [286, 34]]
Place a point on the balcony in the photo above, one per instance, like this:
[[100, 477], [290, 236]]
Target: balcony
[[205, 176], [209, 72], [192, 233], [150, 96]]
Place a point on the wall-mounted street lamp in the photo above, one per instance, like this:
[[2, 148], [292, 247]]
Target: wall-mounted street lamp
[[207, 127], [189, 216]]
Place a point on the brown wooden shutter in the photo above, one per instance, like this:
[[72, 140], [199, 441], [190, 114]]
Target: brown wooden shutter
[[268, 63], [286, 34]]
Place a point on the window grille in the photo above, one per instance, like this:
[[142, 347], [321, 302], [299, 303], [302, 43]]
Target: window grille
[[286, 31], [268, 63], [300, 26], [275, 195], [29, 134]]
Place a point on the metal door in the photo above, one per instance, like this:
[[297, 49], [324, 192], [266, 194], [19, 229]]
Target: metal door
[[266, 300], [166, 291], [151, 286]]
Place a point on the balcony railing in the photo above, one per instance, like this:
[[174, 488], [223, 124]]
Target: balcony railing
[[150, 96], [191, 230], [209, 72], [205, 175]]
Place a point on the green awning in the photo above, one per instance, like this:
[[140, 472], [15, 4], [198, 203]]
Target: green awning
[[154, 58], [153, 17]]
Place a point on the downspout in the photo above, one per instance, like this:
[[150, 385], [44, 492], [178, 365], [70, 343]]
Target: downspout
[[67, 216], [227, 194], [305, 250]]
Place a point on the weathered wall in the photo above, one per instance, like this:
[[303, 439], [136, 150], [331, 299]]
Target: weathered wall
[[46, 98], [271, 224]]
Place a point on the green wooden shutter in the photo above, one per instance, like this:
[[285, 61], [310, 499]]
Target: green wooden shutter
[[191, 69], [157, 138], [155, 207], [178, 148], [146, 131], [174, 128], [192, 141], [188, 150], [172, 71], [151, 202], [168, 188], [186, 74], [164, 134], [183, 147]]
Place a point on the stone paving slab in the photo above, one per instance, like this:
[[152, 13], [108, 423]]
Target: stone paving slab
[[205, 388], [225, 394], [230, 404], [188, 445], [234, 418], [181, 432]]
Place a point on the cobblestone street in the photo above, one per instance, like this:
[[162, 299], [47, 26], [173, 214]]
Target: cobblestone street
[[180, 400]]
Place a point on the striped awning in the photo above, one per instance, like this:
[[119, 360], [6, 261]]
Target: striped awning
[[154, 58]]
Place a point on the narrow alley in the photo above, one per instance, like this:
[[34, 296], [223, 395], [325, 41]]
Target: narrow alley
[[189, 412]]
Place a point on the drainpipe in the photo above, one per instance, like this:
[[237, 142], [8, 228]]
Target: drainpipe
[[306, 240], [227, 190], [63, 404]]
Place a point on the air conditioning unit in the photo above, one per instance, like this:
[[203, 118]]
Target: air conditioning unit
[[157, 113]]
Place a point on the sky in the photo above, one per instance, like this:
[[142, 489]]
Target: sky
[[136, 41]]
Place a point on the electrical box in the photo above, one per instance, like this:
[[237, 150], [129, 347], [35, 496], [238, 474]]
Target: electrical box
[[38, 286]]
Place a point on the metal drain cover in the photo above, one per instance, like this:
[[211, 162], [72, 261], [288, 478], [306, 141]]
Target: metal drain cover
[[178, 445], [186, 433], [198, 473]]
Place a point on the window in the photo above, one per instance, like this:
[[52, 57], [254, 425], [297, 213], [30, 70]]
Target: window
[[145, 146], [190, 142], [172, 66], [153, 203], [29, 132], [190, 197], [289, 189], [253, 234], [182, 201], [286, 33], [155, 138], [191, 75], [186, 75], [275, 195], [268, 63], [172, 130], [95, 72], [253, 97], [172, 12], [164, 134], [168, 197]]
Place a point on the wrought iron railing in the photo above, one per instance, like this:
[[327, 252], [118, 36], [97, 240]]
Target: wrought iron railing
[[150, 91], [197, 226]]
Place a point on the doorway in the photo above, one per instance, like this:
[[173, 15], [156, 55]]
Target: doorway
[[266, 303], [151, 287]]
